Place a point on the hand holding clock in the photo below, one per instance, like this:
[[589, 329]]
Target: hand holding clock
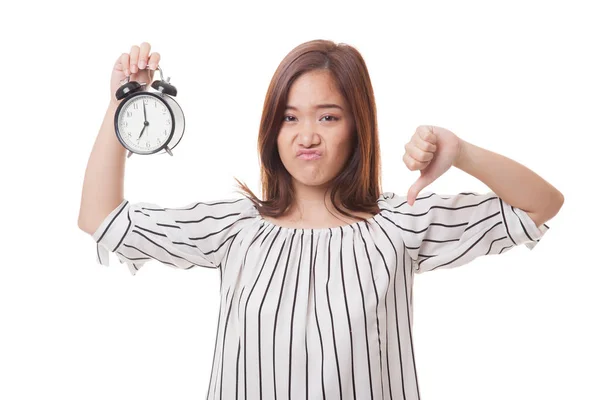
[[133, 64], [133, 85]]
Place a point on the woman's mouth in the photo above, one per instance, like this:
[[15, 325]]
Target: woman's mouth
[[309, 156]]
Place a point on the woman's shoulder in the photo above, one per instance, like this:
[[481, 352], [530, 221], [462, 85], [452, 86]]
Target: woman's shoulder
[[391, 200], [225, 209], [240, 206]]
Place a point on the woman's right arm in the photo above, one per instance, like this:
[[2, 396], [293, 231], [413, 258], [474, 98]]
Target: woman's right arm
[[103, 182]]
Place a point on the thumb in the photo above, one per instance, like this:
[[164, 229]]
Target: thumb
[[414, 190]]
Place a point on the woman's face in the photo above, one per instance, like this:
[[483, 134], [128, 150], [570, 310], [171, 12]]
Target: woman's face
[[308, 126]]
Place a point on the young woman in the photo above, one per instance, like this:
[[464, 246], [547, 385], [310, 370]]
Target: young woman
[[316, 279]]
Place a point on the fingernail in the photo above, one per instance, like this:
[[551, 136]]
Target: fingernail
[[152, 66], [142, 64], [133, 68]]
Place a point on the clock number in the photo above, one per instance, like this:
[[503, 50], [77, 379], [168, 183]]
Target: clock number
[[128, 114], [148, 144], [146, 100], [168, 122], [135, 106]]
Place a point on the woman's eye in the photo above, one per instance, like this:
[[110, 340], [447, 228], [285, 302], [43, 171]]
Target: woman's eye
[[326, 116]]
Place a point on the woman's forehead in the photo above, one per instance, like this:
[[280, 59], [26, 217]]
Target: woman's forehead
[[313, 91]]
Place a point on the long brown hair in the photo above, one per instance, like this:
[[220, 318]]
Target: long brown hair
[[359, 183]]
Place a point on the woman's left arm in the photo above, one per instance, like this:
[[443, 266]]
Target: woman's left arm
[[512, 182]]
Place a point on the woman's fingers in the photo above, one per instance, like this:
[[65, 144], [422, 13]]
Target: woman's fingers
[[426, 135], [138, 58], [413, 164], [417, 153], [125, 63], [425, 145], [153, 61], [143, 56], [134, 54]]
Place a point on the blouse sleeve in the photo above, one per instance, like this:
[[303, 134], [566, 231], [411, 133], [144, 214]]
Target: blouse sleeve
[[447, 231], [195, 235]]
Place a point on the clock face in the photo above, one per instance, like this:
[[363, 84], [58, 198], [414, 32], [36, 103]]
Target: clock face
[[144, 123]]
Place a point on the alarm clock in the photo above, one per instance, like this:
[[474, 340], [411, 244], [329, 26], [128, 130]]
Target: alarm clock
[[147, 122]]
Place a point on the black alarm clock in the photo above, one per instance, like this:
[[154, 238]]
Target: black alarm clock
[[147, 122]]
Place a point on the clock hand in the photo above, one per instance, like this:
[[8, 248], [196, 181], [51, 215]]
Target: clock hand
[[145, 124], [145, 119]]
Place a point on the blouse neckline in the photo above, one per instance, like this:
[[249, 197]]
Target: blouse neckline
[[346, 227]]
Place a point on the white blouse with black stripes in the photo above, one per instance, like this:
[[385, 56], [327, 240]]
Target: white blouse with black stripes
[[316, 313]]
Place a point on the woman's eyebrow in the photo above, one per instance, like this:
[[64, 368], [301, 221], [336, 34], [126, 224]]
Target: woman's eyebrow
[[290, 107]]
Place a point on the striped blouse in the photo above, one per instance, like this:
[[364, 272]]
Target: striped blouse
[[316, 313]]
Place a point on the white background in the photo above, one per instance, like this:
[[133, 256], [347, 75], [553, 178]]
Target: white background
[[519, 78]]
